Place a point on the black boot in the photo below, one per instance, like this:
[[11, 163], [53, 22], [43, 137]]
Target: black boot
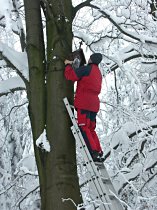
[[96, 157], [101, 153]]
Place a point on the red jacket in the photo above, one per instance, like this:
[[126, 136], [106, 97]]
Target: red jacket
[[89, 80]]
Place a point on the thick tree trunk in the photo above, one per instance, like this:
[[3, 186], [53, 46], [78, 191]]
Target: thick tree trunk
[[36, 89], [57, 169]]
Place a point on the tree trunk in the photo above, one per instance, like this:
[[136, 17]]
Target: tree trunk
[[57, 169]]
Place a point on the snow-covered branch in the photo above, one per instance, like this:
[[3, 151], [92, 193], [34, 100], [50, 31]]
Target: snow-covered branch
[[140, 130], [124, 57], [118, 22], [16, 60], [10, 85], [129, 177]]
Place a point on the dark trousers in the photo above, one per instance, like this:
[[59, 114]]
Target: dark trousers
[[87, 124]]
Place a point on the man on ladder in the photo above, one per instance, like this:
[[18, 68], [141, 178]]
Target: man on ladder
[[86, 102]]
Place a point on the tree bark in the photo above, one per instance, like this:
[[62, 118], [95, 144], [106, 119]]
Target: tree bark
[[47, 88]]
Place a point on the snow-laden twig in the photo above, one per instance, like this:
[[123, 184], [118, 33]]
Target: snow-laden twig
[[34, 188], [16, 106], [13, 183], [121, 201]]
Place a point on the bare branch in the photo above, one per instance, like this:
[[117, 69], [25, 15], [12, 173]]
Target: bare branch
[[80, 6], [115, 80]]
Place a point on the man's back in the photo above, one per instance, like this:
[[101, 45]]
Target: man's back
[[88, 88]]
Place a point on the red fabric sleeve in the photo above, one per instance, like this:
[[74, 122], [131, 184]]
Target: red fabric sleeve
[[70, 74]]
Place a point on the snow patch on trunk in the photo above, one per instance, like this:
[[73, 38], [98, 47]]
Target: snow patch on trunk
[[42, 142]]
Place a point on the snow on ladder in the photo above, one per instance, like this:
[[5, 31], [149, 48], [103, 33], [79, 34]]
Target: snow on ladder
[[101, 186]]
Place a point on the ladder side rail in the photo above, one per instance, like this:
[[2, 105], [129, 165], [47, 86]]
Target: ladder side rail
[[89, 161], [93, 193], [110, 188], [92, 167], [88, 158], [77, 130], [71, 114], [95, 178]]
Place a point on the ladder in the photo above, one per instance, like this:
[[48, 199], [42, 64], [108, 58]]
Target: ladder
[[103, 192]]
